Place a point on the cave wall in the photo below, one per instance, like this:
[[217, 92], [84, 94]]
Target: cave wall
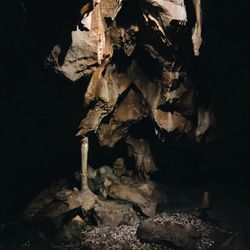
[[139, 68], [38, 107]]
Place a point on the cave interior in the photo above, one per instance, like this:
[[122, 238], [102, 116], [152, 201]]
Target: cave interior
[[201, 175]]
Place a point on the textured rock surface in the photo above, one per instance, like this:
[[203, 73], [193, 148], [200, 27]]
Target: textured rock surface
[[178, 223], [168, 233], [89, 44], [60, 203], [137, 68], [136, 196], [140, 150], [115, 214]]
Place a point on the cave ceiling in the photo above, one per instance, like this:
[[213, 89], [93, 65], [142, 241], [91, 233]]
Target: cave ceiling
[[134, 53]]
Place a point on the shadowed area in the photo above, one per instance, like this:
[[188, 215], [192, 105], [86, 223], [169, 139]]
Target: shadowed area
[[41, 112]]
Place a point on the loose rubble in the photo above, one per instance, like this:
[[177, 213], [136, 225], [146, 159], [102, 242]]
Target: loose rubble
[[118, 237], [103, 229]]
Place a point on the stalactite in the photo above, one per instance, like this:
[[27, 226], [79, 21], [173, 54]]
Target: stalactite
[[196, 36]]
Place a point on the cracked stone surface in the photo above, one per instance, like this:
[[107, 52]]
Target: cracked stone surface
[[137, 70]]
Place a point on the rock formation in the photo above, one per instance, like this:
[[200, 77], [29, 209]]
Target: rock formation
[[135, 54]]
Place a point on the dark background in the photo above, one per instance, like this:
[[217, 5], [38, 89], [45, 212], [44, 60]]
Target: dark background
[[40, 111]]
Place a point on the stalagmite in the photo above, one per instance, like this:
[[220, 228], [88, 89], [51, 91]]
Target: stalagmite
[[84, 199], [84, 154]]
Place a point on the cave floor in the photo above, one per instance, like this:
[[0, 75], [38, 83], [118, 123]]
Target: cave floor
[[224, 226]]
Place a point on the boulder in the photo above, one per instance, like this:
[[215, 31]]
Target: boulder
[[111, 213], [172, 234], [135, 197]]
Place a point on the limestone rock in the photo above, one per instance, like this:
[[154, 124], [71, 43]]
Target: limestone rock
[[168, 234], [50, 203], [130, 111], [106, 89], [119, 167], [84, 199], [135, 197], [89, 46], [140, 149], [77, 221], [138, 68], [104, 179], [172, 121], [114, 214], [196, 37], [63, 235]]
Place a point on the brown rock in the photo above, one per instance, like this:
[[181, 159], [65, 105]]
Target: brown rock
[[119, 167], [170, 233], [134, 196], [115, 214]]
